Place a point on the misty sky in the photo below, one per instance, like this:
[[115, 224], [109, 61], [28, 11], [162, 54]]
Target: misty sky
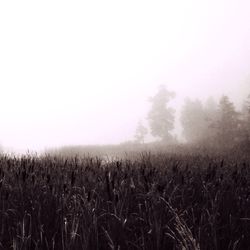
[[81, 72]]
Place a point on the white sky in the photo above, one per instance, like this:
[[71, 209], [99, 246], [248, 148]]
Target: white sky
[[81, 72]]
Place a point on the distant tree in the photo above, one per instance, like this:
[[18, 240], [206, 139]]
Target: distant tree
[[245, 121], [211, 116], [140, 133], [210, 108], [228, 123], [161, 117], [193, 121], [247, 110]]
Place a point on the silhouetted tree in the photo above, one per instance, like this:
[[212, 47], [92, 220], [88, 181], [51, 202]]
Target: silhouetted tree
[[247, 110], [245, 121], [228, 123], [140, 133], [193, 121], [211, 116], [161, 117], [210, 108]]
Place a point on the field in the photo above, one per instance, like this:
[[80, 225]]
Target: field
[[148, 201]]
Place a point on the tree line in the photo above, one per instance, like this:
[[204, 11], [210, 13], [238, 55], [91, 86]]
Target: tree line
[[209, 123]]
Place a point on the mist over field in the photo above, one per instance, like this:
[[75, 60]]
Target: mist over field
[[82, 73]]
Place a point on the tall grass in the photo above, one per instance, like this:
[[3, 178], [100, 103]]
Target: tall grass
[[153, 201]]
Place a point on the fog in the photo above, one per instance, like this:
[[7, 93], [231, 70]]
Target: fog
[[82, 72]]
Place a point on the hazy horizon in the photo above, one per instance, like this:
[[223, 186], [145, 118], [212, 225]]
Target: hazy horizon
[[82, 72]]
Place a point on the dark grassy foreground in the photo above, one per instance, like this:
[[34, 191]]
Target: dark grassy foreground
[[154, 202]]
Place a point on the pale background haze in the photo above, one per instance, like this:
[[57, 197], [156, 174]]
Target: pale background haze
[[81, 72]]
